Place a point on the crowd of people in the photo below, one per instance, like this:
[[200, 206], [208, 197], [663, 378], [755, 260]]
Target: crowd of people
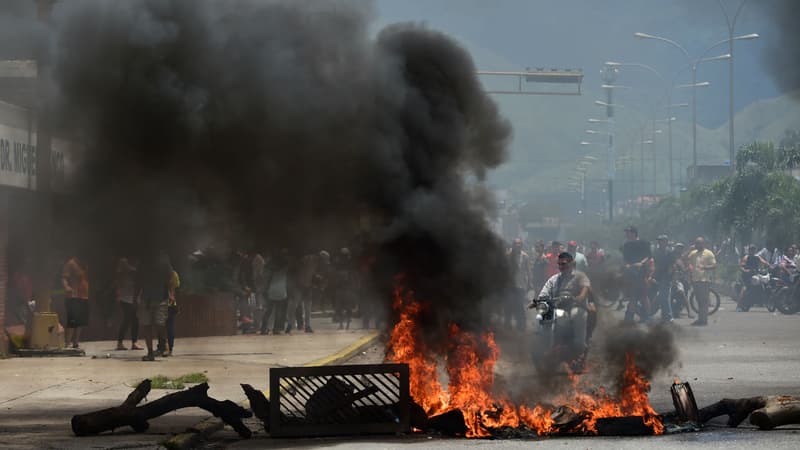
[[275, 295], [648, 273]]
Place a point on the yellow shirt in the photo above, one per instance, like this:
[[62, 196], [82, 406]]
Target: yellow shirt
[[699, 260], [174, 283]]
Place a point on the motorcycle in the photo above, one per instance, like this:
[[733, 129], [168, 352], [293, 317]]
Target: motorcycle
[[763, 288], [788, 299], [561, 334]]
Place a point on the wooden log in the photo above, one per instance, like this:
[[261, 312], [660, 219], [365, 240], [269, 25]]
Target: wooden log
[[779, 410], [736, 409], [417, 416], [128, 414], [116, 417], [451, 423], [258, 403], [623, 426]]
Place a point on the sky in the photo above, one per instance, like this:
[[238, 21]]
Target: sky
[[514, 34]]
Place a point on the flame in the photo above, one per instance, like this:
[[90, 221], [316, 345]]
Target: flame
[[406, 347], [538, 419], [632, 400], [469, 364]]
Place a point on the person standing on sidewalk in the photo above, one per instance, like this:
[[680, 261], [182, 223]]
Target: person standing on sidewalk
[[276, 282], [172, 311], [75, 279], [154, 279], [125, 292], [305, 279], [702, 263], [257, 265], [293, 301]]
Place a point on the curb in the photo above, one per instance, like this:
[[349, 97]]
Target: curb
[[198, 433]]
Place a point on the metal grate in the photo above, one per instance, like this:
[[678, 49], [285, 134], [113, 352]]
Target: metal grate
[[339, 400]]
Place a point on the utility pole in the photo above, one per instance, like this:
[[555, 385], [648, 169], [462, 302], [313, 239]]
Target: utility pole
[[731, 22], [654, 157], [609, 75]]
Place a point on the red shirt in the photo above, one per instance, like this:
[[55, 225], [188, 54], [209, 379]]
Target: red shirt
[[552, 264]]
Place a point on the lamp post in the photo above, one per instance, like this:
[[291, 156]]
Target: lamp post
[[641, 167], [693, 63], [729, 56], [731, 23], [670, 106], [655, 172], [609, 76]]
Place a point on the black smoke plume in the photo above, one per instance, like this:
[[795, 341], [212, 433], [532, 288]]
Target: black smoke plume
[[784, 44], [281, 123]]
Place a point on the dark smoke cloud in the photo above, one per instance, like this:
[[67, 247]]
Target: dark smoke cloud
[[653, 349], [781, 56], [281, 123]]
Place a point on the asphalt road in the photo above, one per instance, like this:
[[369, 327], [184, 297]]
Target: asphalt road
[[736, 355]]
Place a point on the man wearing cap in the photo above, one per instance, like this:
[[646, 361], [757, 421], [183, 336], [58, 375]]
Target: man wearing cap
[[580, 259], [664, 260], [638, 263]]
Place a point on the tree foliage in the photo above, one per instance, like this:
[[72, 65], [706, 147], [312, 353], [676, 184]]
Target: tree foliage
[[760, 202]]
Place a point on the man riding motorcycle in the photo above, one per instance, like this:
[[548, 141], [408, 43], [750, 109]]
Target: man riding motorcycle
[[748, 267], [574, 287]]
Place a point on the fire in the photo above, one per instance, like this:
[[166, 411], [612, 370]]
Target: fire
[[469, 364], [538, 418], [632, 400], [406, 347]]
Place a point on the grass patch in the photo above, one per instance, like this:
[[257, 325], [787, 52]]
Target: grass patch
[[164, 382], [193, 378]]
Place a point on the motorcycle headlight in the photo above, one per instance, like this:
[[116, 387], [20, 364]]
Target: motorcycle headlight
[[542, 308]]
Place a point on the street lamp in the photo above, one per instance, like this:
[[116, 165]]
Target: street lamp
[[607, 105], [642, 143], [731, 23], [598, 132], [693, 85]]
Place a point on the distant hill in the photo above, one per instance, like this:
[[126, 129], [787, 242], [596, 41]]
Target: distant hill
[[548, 130]]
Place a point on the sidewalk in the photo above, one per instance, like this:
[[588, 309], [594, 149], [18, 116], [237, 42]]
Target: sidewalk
[[38, 396]]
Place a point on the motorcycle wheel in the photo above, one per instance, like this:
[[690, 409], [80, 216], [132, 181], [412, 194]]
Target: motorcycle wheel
[[677, 304], [787, 301], [771, 303], [713, 302]]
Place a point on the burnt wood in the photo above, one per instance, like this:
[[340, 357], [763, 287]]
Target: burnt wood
[[451, 423], [128, 414], [258, 404], [779, 410], [736, 409], [623, 426]]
